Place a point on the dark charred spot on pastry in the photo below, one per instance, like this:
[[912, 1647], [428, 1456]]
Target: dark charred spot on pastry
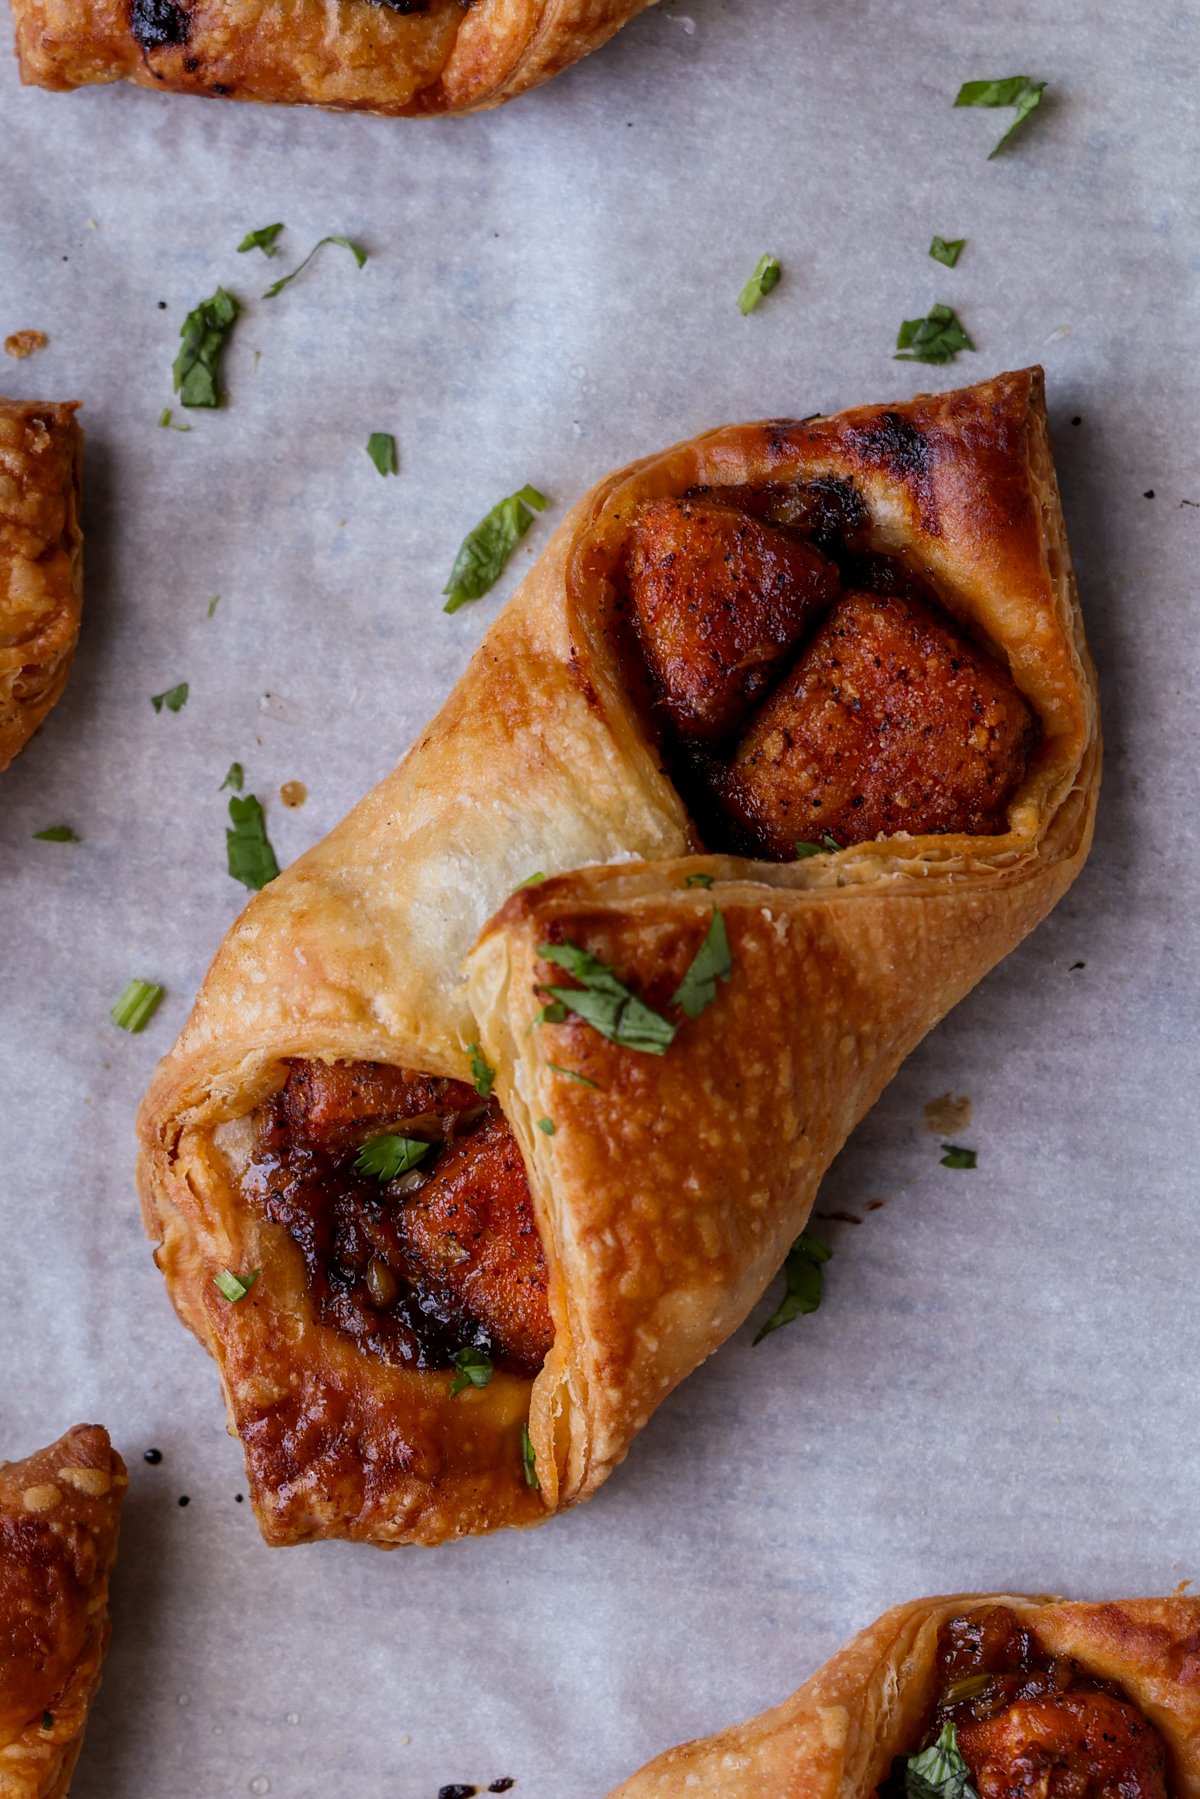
[[892, 442], [157, 24], [191, 64], [798, 684], [1034, 1725], [404, 7], [221, 89], [445, 1256]]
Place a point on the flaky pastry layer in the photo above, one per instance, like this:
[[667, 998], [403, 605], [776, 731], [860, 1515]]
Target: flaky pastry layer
[[394, 57], [836, 1736], [41, 562], [59, 1517], [667, 1193]]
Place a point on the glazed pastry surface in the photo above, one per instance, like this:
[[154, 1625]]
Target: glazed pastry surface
[[59, 1516], [41, 563], [1103, 1704], [381, 56], [663, 1190]]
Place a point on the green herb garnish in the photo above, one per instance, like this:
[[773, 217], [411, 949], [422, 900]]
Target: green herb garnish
[[387, 1156], [381, 448], [704, 881], [937, 338], [168, 423], [235, 778], [827, 843], [529, 881], [529, 1460], [137, 1005], [802, 1277], [174, 698], [263, 239], [947, 250], [938, 1772], [572, 1074], [711, 963], [360, 257], [958, 1157], [215, 601], [553, 1012], [481, 1073], [766, 276], [485, 551], [56, 834], [235, 1286], [205, 333], [250, 857], [546, 1125], [474, 1370], [604, 1002], [1012, 90]]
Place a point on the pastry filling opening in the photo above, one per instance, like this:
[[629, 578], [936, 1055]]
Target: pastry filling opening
[[1031, 1725], [802, 687], [407, 1197]]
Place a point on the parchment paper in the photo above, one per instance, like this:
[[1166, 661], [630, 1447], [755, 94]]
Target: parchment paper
[[1000, 1388]]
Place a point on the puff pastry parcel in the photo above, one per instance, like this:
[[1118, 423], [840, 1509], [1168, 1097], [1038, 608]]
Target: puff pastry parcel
[[381, 56], [495, 1223], [978, 1694], [41, 563], [59, 1515]]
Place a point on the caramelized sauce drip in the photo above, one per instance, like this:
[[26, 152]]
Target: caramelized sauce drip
[[444, 1257]]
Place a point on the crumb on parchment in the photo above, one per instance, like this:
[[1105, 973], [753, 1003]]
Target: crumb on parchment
[[23, 343]]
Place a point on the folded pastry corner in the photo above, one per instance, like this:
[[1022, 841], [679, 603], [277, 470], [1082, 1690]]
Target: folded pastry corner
[[59, 1517], [790, 734], [393, 57], [41, 562], [984, 1694]]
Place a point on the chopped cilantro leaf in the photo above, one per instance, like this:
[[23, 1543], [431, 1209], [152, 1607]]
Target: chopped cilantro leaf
[[359, 255], [381, 448], [1011, 90], [174, 698], [205, 332], [711, 963], [958, 1157], [937, 338], [250, 857], [387, 1156], [484, 551], [605, 1003], [263, 239], [474, 1370], [802, 1278]]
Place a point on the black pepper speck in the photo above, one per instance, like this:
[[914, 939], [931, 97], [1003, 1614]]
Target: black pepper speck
[[184, 1500], [1149, 494], [153, 1456], [502, 1786], [456, 1790]]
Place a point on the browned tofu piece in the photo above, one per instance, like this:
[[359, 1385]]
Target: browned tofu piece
[[330, 1104], [719, 600], [889, 721], [472, 1229]]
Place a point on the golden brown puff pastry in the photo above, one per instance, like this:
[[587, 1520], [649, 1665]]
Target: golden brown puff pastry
[[59, 1515], [41, 562], [638, 1211], [1048, 1697], [382, 56]]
